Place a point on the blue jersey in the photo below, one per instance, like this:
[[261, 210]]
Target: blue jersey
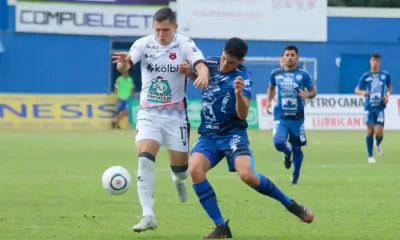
[[219, 116], [377, 86], [288, 84]]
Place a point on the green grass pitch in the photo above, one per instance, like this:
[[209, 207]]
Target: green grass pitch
[[50, 189]]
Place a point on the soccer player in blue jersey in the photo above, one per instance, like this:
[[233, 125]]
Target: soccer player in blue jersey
[[376, 87], [223, 133], [292, 85]]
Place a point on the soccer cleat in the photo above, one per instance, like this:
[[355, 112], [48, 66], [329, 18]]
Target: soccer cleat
[[220, 231], [146, 223], [371, 160], [305, 214], [295, 180], [288, 159], [379, 150], [181, 188]]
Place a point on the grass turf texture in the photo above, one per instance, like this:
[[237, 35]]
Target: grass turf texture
[[50, 188]]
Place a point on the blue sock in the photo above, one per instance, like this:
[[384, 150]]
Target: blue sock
[[208, 200], [370, 145], [282, 147], [378, 140], [298, 157], [267, 187]]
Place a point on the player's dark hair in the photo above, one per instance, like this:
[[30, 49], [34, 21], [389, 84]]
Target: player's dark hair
[[376, 56], [292, 48], [164, 14], [236, 47]]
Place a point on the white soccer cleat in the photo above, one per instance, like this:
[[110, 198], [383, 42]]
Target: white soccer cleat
[[371, 160], [379, 150], [181, 188], [146, 223]]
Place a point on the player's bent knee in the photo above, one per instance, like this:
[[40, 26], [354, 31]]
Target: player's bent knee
[[248, 177], [379, 131], [198, 167], [280, 144]]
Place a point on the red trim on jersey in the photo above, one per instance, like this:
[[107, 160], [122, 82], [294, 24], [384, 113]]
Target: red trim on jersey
[[131, 63], [197, 62], [185, 104]]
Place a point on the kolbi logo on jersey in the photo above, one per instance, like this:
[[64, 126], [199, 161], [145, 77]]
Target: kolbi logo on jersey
[[160, 91], [169, 68]]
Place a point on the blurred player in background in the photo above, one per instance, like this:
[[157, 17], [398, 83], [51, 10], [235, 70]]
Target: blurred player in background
[[376, 87], [226, 102], [281, 61], [292, 85], [123, 87], [162, 117]]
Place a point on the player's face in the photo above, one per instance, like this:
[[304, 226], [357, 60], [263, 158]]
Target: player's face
[[375, 63], [290, 58], [165, 31], [229, 63]]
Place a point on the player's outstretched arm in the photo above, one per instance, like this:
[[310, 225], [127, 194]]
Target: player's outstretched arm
[[242, 101], [203, 75]]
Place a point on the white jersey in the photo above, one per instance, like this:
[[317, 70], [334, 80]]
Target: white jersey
[[163, 87]]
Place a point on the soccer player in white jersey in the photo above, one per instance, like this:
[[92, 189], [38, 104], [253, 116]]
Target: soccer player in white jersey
[[162, 118]]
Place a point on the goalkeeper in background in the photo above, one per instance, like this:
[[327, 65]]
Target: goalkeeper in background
[[123, 87]]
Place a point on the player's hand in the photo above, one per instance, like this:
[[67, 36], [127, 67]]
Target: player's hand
[[184, 68], [385, 99], [238, 84], [200, 82], [304, 93], [121, 57]]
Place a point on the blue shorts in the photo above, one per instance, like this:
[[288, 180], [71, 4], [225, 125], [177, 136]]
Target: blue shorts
[[291, 131], [215, 148], [123, 105], [375, 116]]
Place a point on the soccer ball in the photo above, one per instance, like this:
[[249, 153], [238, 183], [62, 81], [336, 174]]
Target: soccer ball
[[116, 180]]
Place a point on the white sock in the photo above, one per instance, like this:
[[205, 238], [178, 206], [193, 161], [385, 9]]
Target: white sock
[[181, 173], [145, 182]]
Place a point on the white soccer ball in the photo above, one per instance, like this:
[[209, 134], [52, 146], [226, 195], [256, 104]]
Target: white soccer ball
[[116, 180]]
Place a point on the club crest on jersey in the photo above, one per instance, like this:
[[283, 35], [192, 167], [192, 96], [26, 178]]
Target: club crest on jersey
[[160, 91], [172, 55]]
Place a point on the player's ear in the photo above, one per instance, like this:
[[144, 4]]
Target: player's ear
[[241, 60]]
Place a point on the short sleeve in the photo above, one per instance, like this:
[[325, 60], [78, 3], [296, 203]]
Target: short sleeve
[[388, 80], [361, 82], [136, 51], [192, 53], [247, 84], [117, 82], [272, 81]]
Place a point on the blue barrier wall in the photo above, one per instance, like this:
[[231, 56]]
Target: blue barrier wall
[[50, 63]]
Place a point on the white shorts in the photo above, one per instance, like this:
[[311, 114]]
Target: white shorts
[[168, 133]]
